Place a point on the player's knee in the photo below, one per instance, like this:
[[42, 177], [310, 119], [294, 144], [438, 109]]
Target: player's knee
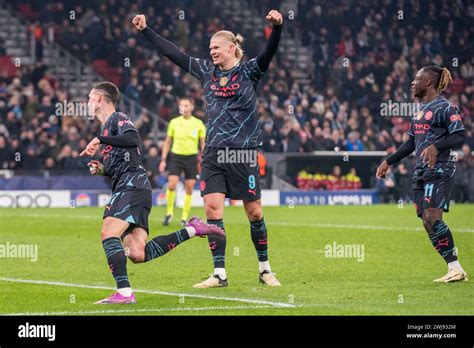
[[254, 211], [429, 218], [108, 231], [137, 258], [254, 214], [427, 225], [189, 189], [213, 211], [136, 253]]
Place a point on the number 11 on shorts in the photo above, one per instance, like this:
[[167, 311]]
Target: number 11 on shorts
[[428, 190]]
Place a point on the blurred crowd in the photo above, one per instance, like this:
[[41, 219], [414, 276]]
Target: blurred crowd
[[365, 54]]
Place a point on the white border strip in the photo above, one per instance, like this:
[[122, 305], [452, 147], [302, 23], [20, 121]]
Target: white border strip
[[154, 292], [362, 227], [141, 310]]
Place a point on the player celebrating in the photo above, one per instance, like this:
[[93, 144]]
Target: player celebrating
[[434, 131], [185, 132], [126, 213], [232, 124]]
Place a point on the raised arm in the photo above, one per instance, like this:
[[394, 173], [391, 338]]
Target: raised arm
[[265, 56], [165, 47]]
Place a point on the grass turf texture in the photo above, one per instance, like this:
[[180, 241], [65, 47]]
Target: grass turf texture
[[395, 277]]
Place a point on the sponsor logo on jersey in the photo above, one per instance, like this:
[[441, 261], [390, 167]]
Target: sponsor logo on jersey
[[121, 123], [105, 152], [454, 118]]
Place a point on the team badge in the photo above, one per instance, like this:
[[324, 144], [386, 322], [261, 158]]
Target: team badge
[[428, 115], [223, 81]]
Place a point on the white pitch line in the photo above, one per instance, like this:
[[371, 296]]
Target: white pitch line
[[270, 223], [363, 227], [141, 310], [154, 292]]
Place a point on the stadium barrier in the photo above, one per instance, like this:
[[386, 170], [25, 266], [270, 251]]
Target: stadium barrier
[[35, 199], [93, 198], [323, 197], [287, 166]]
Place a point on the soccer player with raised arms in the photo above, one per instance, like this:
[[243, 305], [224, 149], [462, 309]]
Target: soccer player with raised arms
[[125, 221], [183, 137], [435, 130], [232, 123]]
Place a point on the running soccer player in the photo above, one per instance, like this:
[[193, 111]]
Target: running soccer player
[[184, 134], [232, 125], [126, 212], [435, 130]]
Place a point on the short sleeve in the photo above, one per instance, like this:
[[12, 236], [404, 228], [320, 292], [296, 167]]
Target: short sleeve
[[451, 119], [124, 124], [199, 68], [170, 131], [410, 130], [252, 71], [201, 130]]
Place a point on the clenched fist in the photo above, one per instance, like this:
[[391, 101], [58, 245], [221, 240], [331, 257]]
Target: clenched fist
[[96, 168], [139, 21], [274, 17]]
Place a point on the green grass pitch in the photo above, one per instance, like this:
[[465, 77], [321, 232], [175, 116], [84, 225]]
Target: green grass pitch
[[394, 278]]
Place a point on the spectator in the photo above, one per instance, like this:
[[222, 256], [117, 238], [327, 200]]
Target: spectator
[[152, 162], [464, 175], [353, 142], [403, 183]]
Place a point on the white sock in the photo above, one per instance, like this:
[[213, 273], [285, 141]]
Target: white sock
[[264, 266], [456, 265], [191, 231], [220, 272], [127, 292]]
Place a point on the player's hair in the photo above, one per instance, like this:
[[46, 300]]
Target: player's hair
[[237, 40], [442, 76], [188, 99], [110, 91]]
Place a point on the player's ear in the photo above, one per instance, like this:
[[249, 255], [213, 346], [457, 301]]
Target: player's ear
[[428, 81], [426, 78]]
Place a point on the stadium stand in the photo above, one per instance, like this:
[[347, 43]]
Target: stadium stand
[[322, 92]]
